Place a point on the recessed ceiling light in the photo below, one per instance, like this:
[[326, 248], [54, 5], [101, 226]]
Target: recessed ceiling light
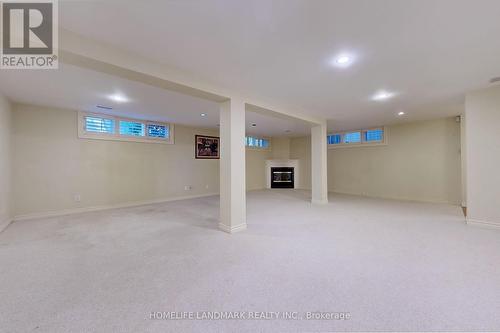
[[203, 114], [382, 96], [119, 98], [254, 125], [343, 60], [401, 113]]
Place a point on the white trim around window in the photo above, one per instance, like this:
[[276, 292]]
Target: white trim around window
[[110, 129], [362, 141]]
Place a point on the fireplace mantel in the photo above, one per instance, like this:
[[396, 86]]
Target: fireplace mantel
[[282, 163]]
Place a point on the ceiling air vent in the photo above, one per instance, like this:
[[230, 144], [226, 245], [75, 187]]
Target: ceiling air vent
[[104, 107]]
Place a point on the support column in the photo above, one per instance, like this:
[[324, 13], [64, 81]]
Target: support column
[[232, 166], [482, 112], [319, 181]]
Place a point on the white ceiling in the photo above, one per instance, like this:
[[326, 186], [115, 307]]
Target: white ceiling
[[81, 89], [428, 52]]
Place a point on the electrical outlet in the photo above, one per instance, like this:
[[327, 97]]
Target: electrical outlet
[[187, 188], [78, 198]]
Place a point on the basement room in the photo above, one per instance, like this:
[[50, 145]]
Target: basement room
[[250, 166]]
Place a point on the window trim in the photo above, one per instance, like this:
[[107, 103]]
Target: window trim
[[363, 143], [259, 148], [83, 134]]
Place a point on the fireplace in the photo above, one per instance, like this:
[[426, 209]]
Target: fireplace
[[283, 166], [282, 177]]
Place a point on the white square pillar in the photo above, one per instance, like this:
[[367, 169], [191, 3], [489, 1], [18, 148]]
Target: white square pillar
[[232, 166], [482, 126], [319, 174]]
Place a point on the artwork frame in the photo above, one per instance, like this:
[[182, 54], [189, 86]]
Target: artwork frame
[[207, 147]]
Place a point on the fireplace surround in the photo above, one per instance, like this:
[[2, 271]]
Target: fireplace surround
[[282, 167]]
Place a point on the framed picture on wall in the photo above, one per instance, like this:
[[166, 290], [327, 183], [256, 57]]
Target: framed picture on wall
[[207, 147]]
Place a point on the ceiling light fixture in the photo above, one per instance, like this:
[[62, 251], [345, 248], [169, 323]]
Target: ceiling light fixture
[[118, 98], [343, 60], [401, 113], [254, 125], [382, 96], [203, 114]]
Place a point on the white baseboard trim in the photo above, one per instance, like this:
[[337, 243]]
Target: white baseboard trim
[[319, 202], [232, 230], [105, 207], [374, 196], [483, 224]]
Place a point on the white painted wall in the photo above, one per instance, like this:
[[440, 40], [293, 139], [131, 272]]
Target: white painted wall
[[300, 149], [421, 163], [5, 162], [482, 110], [51, 165], [54, 166], [256, 168], [281, 148]]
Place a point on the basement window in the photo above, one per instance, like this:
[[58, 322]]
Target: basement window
[[257, 143], [104, 127], [157, 131], [373, 135], [352, 137], [358, 138], [99, 125], [334, 139], [132, 128]]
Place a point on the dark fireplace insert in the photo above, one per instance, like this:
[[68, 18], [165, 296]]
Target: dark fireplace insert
[[282, 177]]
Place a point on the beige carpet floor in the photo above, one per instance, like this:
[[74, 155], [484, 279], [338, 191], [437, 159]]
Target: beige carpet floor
[[392, 266]]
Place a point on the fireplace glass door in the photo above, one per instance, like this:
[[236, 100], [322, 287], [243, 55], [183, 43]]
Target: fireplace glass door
[[282, 177]]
